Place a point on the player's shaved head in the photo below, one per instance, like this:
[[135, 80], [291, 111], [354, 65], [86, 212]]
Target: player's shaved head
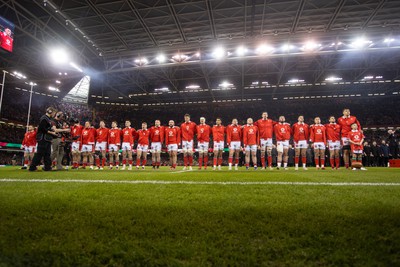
[[234, 121], [202, 120], [282, 118]]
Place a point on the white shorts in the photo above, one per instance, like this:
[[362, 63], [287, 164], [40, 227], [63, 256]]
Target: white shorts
[[265, 143], [252, 148], [75, 147], [345, 141], [143, 148], [30, 149], [359, 151], [300, 144], [102, 146], [113, 148], [87, 148], [285, 143], [155, 147], [172, 147], [235, 145], [219, 145], [333, 145], [187, 146], [319, 145], [126, 146], [202, 147]]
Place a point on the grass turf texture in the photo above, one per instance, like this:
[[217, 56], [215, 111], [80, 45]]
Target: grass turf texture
[[82, 224]]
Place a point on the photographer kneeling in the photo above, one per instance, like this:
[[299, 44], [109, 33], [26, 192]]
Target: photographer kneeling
[[45, 133]]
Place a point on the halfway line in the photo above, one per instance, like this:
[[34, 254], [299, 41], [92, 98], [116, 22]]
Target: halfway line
[[194, 182]]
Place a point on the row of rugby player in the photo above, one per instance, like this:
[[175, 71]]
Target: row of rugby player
[[251, 137]]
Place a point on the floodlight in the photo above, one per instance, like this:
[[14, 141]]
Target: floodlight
[[264, 49], [58, 82], [141, 61], [388, 40], [180, 57], [225, 84], [59, 56], [219, 53], [162, 89], [241, 51], [193, 86], [360, 43], [310, 46], [333, 79], [287, 47], [51, 88], [295, 81], [161, 58]]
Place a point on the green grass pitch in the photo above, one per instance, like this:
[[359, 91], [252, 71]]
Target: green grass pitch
[[223, 218]]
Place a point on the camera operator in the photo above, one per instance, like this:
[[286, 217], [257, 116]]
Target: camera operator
[[45, 133], [56, 144]]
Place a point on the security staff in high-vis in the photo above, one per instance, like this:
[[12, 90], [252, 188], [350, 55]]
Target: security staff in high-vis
[[45, 133]]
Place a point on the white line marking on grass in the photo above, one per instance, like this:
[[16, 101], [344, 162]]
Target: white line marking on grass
[[181, 171], [193, 182]]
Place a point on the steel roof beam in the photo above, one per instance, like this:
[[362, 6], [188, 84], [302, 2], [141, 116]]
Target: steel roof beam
[[176, 20], [297, 17], [373, 14]]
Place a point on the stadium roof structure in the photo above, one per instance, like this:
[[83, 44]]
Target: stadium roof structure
[[153, 50]]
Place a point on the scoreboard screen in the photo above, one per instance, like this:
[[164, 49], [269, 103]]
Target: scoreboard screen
[[6, 34]]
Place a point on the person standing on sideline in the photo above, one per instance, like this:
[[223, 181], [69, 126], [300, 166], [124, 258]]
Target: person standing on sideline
[[44, 137]]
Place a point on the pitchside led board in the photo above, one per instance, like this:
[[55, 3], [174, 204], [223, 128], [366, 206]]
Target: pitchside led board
[[6, 34]]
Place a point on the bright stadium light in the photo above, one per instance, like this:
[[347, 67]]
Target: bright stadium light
[[333, 79], [360, 43], [219, 53], [225, 84], [18, 75], [141, 61], [193, 86], [264, 49], [287, 47], [241, 51], [295, 81], [58, 82], [161, 58], [310, 46], [180, 58], [388, 40], [162, 89], [51, 88], [59, 56]]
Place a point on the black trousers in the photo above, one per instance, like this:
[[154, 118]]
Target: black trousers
[[43, 151]]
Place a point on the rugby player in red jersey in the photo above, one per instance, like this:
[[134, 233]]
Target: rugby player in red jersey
[[128, 138], [172, 140], [76, 132], [266, 129], [333, 138], [188, 130], [300, 137], [114, 143], [218, 132], [233, 140], [251, 141], [345, 122], [318, 138], [282, 132], [143, 136], [101, 145], [87, 140], [203, 139], [29, 146], [157, 139]]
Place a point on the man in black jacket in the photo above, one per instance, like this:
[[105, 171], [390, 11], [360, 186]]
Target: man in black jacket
[[367, 155], [392, 142], [45, 133]]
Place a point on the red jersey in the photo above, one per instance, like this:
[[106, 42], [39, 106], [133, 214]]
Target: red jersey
[[157, 134], [250, 135], [76, 131], [188, 130], [102, 135], [114, 136], [88, 136], [265, 128], [233, 133], [172, 135], [143, 137], [300, 131], [333, 131], [346, 122], [356, 136], [29, 139], [6, 42], [318, 133], [128, 135], [218, 133], [203, 133], [282, 131]]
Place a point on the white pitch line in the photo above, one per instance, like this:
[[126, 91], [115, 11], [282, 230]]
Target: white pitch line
[[181, 171], [193, 182]]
